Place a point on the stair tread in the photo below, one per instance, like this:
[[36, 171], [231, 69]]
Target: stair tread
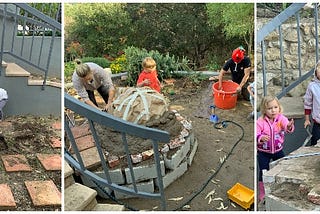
[[293, 106], [14, 70], [4, 64], [109, 207], [77, 197], [67, 170]]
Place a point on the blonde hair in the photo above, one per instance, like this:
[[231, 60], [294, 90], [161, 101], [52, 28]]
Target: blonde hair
[[148, 62], [82, 70], [264, 102]]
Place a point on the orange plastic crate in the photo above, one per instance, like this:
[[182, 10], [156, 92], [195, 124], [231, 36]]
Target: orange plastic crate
[[241, 195]]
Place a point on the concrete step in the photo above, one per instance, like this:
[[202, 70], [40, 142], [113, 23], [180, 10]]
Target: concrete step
[[292, 107], [78, 197], [109, 207], [4, 64], [14, 70], [68, 175]]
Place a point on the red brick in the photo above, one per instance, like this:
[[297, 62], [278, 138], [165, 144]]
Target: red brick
[[84, 143], [15, 163], [80, 131], [55, 142], [6, 198], [113, 161], [43, 193], [314, 195], [56, 125], [50, 162], [147, 154], [136, 158]]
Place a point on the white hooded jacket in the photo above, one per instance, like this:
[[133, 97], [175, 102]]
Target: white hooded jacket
[[312, 96]]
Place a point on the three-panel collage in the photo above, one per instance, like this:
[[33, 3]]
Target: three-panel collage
[[171, 106]]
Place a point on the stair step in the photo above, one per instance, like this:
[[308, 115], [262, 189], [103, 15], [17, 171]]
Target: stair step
[[68, 175], [14, 70], [78, 197], [109, 207], [4, 64], [293, 106]]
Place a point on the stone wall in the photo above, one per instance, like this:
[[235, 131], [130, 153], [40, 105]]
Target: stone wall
[[290, 59]]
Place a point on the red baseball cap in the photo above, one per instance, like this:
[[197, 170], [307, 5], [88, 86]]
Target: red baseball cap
[[237, 55]]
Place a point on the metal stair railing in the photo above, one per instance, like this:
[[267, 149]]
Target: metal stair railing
[[124, 127], [23, 17], [275, 24]]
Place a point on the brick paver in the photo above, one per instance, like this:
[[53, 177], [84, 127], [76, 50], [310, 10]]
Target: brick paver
[[43, 193], [85, 142], [56, 125], [6, 198], [50, 162], [15, 163], [55, 142], [80, 131]]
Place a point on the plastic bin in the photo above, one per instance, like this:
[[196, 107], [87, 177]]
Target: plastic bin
[[227, 97], [241, 195]]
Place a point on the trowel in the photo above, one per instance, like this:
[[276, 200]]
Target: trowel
[[213, 117]]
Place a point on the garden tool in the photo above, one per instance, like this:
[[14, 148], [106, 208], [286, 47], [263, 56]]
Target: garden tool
[[213, 117], [308, 138]]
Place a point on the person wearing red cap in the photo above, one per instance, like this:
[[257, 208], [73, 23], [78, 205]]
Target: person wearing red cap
[[240, 66]]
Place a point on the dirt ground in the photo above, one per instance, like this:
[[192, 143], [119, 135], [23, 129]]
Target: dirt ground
[[28, 135], [193, 99]]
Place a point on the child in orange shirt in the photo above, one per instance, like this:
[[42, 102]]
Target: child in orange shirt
[[148, 76]]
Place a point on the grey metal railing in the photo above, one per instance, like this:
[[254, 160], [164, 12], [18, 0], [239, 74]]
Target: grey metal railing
[[125, 128], [275, 24], [25, 31]]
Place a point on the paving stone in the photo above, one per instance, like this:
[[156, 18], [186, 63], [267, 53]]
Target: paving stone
[[50, 162], [80, 131], [6, 198], [56, 125], [15, 163], [90, 158], [55, 142], [43, 193], [84, 143]]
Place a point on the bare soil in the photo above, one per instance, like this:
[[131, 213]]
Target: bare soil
[[28, 135], [193, 98]]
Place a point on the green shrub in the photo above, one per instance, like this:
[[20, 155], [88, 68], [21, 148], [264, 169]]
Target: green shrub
[[69, 68], [166, 64], [103, 62]]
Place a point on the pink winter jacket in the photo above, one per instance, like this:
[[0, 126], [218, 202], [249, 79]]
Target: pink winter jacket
[[276, 130]]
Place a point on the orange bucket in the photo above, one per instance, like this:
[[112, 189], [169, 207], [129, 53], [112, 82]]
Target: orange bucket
[[227, 97]]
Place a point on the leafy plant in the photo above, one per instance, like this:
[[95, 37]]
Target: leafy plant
[[74, 50], [119, 64], [103, 62], [69, 68], [166, 64]]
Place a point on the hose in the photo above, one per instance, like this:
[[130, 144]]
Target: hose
[[219, 125]]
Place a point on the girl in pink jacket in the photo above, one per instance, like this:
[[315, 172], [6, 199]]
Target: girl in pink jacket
[[271, 129], [312, 105]]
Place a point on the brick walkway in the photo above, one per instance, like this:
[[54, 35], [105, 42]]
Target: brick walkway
[[42, 192]]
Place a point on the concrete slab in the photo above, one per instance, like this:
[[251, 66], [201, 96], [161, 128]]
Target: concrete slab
[[77, 197]]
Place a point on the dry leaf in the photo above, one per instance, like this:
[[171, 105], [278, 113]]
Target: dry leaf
[[175, 199]]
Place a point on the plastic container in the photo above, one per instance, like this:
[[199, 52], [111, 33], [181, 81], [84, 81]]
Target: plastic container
[[227, 97], [241, 195]]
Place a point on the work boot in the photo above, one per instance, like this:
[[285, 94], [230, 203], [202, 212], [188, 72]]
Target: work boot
[[261, 191]]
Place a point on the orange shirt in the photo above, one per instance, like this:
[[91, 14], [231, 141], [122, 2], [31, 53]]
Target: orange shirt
[[153, 78]]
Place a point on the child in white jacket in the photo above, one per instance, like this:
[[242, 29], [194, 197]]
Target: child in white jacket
[[3, 101], [312, 105]]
